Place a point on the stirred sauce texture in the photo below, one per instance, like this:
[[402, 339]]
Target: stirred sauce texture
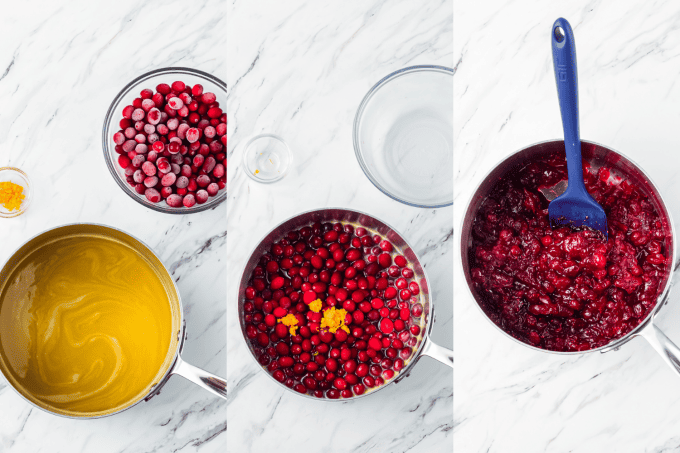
[[85, 325], [565, 289]]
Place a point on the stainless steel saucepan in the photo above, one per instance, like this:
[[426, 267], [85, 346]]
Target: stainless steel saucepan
[[173, 362], [597, 155], [425, 346]]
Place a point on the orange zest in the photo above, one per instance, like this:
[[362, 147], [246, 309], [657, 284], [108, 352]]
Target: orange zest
[[11, 195], [316, 305], [289, 321], [334, 319]]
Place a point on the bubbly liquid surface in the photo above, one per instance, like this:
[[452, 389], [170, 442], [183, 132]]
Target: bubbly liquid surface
[[85, 325]]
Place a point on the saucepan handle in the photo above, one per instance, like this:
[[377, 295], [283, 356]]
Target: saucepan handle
[[437, 352], [663, 345], [208, 381]]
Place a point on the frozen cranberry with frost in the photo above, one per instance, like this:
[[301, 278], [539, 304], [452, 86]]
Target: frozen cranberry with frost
[[129, 145], [151, 181], [209, 164], [139, 176], [174, 103], [174, 201], [192, 135], [149, 168], [119, 138], [138, 114], [148, 104], [152, 195], [218, 171], [208, 98], [163, 165], [203, 181], [212, 189], [182, 182], [189, 201], [209, 132], [198, 160], [182, 129], [138, 160], [168, 179], [201, 196], [154, 116], [166, 192]]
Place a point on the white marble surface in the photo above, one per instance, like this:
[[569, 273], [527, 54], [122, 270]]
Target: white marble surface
[[510, 398], [61, 64], [299, 69]]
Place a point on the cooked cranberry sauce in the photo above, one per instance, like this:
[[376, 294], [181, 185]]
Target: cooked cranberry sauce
[[563, 289], [333, 311]]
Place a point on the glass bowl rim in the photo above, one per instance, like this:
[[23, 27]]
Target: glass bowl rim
[[252, 140], [108, 152], [359, 115]]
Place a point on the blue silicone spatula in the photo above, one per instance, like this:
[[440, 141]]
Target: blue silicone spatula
[[575, 207]]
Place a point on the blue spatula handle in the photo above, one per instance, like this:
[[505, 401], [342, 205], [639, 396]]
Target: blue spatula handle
[[566, 78]]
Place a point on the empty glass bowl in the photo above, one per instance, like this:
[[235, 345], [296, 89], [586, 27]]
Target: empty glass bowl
[[16, 176], [266, 158], [113, 116], [403, 136]]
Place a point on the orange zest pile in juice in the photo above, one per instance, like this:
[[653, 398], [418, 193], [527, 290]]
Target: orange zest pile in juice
[[290, 321], [316, 305], [334, 319], [11, 195], [85, 326]]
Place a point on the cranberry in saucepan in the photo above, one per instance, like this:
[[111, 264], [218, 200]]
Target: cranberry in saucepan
[[325, 317], [563, 289]]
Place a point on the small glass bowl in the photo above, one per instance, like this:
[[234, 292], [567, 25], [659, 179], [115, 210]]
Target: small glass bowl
[[403, 136], [114, 115], [266, 158], [16, 176]]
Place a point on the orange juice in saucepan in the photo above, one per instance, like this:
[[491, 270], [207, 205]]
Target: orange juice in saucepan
[[85, 326]]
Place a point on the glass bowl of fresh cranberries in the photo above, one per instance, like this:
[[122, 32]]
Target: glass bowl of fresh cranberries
[[562, 290], [334, 305], [164, 140]]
